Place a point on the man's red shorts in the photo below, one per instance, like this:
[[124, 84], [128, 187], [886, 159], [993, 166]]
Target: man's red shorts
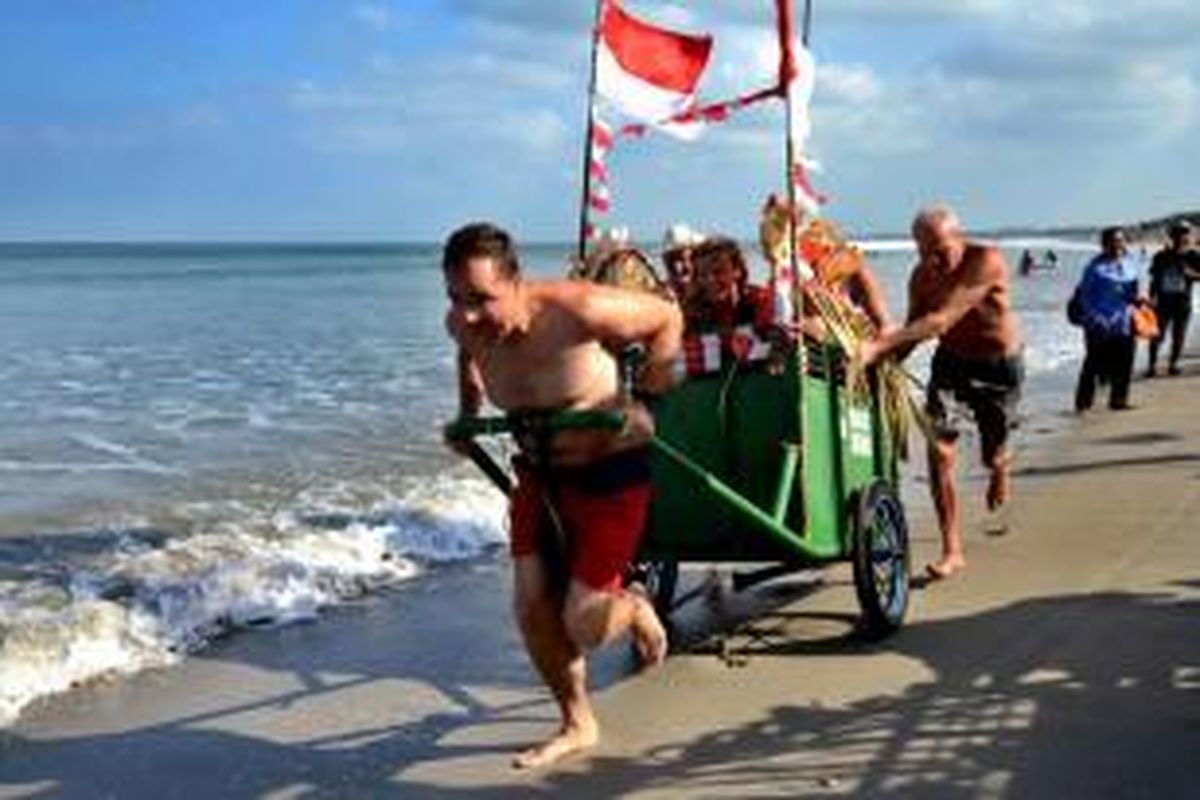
[[602, 507]]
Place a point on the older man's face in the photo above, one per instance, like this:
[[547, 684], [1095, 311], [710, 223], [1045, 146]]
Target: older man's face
[[939, 244]]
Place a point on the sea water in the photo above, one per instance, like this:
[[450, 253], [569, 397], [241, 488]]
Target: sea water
[[198, 438]]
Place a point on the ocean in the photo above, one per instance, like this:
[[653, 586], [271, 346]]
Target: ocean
[[197, 439]]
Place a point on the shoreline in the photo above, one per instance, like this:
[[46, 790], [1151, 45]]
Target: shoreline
[[252, 614], [1065, 640]]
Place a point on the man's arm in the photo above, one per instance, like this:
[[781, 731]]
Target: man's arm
[[934, 323], [1155, 272], [1191, 265], [470, 385], [623, 316]]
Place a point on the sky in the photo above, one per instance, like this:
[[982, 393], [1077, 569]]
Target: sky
[[389, 120]]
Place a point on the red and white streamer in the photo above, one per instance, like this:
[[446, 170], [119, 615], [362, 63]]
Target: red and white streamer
[[599, 198]]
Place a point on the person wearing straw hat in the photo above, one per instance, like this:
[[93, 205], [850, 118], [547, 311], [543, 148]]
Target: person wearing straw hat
[[679, 245]]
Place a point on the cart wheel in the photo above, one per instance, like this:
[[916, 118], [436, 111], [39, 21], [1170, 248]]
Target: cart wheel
[[880, 554]]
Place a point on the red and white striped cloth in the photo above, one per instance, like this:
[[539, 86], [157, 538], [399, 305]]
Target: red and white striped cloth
[[651, 74], [705, 353]]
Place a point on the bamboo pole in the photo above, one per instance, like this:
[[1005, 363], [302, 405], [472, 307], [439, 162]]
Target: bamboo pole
[[589, 130], [798, 363], [786, 38]]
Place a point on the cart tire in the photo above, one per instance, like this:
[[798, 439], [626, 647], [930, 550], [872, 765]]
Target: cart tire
[[879, 551]]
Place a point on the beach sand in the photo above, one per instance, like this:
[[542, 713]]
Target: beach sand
[[1064, 663]]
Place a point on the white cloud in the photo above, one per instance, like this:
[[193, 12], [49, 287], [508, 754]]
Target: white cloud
[[374, 15], [850, 83], [1006, 93], [517, 73], [539, 130], [670, 15]]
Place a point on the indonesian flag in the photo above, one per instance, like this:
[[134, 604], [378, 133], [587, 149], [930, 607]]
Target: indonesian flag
[[647, 72]]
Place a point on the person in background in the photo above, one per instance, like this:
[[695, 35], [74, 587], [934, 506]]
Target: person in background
[[1105, 297], [1026, 265], [679, 246], [864, 290], [722, 297], [1172, 272], [580, 503], [959, 294]]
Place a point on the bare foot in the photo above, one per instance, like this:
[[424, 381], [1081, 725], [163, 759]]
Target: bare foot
[[649, 635], [571, 739], [999, 489], [945, 566]]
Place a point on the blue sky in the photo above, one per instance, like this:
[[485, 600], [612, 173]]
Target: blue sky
[[398, 119]]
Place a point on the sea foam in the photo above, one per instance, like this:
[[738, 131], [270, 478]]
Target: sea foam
[[142, 604]]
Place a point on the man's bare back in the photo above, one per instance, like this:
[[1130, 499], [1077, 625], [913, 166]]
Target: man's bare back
[[959, 295], [988, 328]]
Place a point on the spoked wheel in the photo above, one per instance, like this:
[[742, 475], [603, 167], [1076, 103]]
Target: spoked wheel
[[879, 551]]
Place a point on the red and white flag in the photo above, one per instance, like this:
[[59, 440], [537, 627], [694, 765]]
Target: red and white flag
[[647, 72]]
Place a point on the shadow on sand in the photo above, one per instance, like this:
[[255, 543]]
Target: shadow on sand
[[1074, 696]]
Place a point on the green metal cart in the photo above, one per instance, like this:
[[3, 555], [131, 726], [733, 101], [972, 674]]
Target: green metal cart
[[785, 467]]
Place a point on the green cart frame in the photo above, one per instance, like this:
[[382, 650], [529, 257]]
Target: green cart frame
[[786, 467]]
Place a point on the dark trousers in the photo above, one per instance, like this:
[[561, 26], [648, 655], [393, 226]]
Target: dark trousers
[[1108, 358], [1174, 313]]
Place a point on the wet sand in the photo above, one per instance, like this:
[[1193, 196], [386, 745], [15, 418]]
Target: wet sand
[[1064, 663]]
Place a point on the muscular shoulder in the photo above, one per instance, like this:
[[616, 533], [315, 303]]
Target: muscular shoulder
[[563, 294], [985, 264], [580, 300], [564, 304], [594, 301]]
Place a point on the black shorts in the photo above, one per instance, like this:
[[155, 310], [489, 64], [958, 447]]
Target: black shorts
[[1173, 308], [989, 389]]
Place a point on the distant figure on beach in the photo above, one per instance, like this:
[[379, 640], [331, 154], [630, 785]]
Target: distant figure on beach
[[959, 295], [580, 503], [1027, 264], [1172, 273], [1103, 302], [1051, 259]]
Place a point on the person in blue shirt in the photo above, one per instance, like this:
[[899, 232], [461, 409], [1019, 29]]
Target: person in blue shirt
[[1105, 297]]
